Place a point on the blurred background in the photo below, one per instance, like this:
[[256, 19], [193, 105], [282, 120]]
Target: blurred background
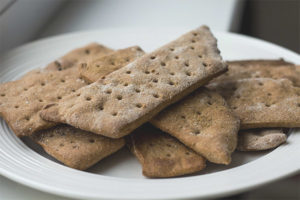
[[21, 21], [277, 21]]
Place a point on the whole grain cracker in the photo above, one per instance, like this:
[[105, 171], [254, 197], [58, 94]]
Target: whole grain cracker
[[262, 102], [203, 122], [77, 56], [98, 68], [275, 69], [132, 95], [161, 155], [76, 148], [260, 139], [22, 100]]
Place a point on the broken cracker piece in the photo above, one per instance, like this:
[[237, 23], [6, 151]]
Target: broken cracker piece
[[260, 139], [203, 122], [161, 155]]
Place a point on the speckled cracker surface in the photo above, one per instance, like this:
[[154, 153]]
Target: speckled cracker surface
[[260, 139], [203, 122], [161, 155], [98, 68], [275, 69], [262, 102], [76, 148], [22, 100], [76, 56], [132, 95]]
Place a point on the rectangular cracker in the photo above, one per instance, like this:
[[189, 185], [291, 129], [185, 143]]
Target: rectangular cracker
[[262, 102], [78, 55], [203, 122], [275, 69], [98, 68], [161, 155], [132, 95], [260, 139], [76, 148], [22, 100]]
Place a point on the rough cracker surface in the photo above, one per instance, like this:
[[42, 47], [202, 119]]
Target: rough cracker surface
[[22, 100], [132, 95], [262, 102], [203, 122], [260, 139], [275, 69], [76, 148], [161, 155], [77, 56], [98, 68]]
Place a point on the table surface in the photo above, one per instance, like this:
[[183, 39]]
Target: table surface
[[80, 15]]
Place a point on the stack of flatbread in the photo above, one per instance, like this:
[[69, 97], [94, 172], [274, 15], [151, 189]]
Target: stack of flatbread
[[174, 108]]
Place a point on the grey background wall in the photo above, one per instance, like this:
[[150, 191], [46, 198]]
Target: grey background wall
[[277, 21]]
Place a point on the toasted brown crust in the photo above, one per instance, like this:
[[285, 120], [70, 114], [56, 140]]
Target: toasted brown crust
[[161, 155], [260, 139], [76, 148], [132, 95], [203, 122], [95, 69], [262, 102]]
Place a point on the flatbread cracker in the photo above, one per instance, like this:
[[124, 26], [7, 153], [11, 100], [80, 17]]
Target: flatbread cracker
[[76, 148], [77, 56], [161, 155], [260, 139], [98, 68], [262, 102], [203, 122], [22, 100], [275, 69], [132, 95]]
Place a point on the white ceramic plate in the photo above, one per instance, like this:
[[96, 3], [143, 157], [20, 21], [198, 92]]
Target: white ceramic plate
[[119, 176]]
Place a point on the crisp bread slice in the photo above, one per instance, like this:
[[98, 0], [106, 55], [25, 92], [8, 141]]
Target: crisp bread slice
[[260, 139], [262, 102], [275, 69], [98, 68], [203, 122], [161, 155], [78, 55], [22, 100], [76, 148], [132, 95]]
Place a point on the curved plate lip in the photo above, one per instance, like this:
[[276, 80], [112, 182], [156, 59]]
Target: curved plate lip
[[236, 184]]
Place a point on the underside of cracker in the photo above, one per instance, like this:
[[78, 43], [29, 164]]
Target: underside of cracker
[[203, 122], [132, 95], [77, 56], [95, 69], [76, 148], [260, 139], [161, 155], [262, 102]]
